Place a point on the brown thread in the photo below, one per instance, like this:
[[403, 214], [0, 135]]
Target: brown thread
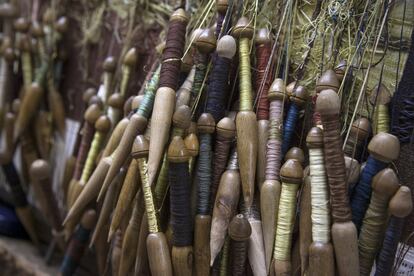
[[262, 84], [85, 144], [335, 169]]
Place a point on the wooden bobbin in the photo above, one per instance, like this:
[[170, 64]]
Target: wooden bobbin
[[321, 255], [295, 153], [344, 233], [225, 207], [262, 37], [353, 170], [246, 125], [206, 41], [401, 203], [328, 80], [88, 94], [291, 173], [384, 147], [130, 58], [239, 231]]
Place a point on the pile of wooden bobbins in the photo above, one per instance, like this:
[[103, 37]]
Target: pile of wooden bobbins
[[189, 178]]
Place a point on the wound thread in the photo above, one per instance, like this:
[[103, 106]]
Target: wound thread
[[245, 84], [204, 174], [92, 154], [262, 82], [362, 191], [372, 232], [289, 127], [153, 224], [171, 58], [382, 119], [75, 251], [87, 135], [285, 222], [335, 169], [19, 196], [273, 148], [180, 204], [200, 73], [385, 260], [161, 186], [27, 68], [321, 225], [218, 88], [239, 256], [224, 260], [147, 103], [221, 153]]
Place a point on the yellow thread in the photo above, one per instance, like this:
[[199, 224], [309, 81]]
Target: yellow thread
[[319, 197], [27, 69], [372, 233], [382, 119], [285, 222], [126, 72], [148, 199], [245, 76], [92, 154]]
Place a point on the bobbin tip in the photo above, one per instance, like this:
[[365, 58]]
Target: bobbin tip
[[385, 182], [315, 138], [62, 24], [340, 70], [179, 15], [109, 64], [380, 95], [48, 16], [277, 91], [9, 55], [384, 147], [89, 219], [291, 172], [206, 41], [103, 124], [239, 228], [290, 87], [361, 128], [130, 58], [136, 102], [295, 153], [328, 80], [140, 148], [116, 100], [192, 128], [92, 114], [299, 96], [222, 5], [263, 36], [87, 95], [39, 169], [8, 10], [21, 25], [226, 47], [192, 145], [177, 152], [36, 29], [95, 99], [206, 123], [328, 102], [182, 117], [243, 28], [401, 203], [226, 128]]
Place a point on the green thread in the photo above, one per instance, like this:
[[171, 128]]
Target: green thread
[[149, 95]]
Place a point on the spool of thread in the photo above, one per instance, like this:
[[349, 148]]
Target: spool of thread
[[239, 232], [357, 138], [291, 175], [344, 233], [218, 78], [383, 148], [385, 184], [164, 100], [380, 99], [77, 244], [298, 100], [399, 206], [109, 66], [221, 6], [246, 123], [180, 206]]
